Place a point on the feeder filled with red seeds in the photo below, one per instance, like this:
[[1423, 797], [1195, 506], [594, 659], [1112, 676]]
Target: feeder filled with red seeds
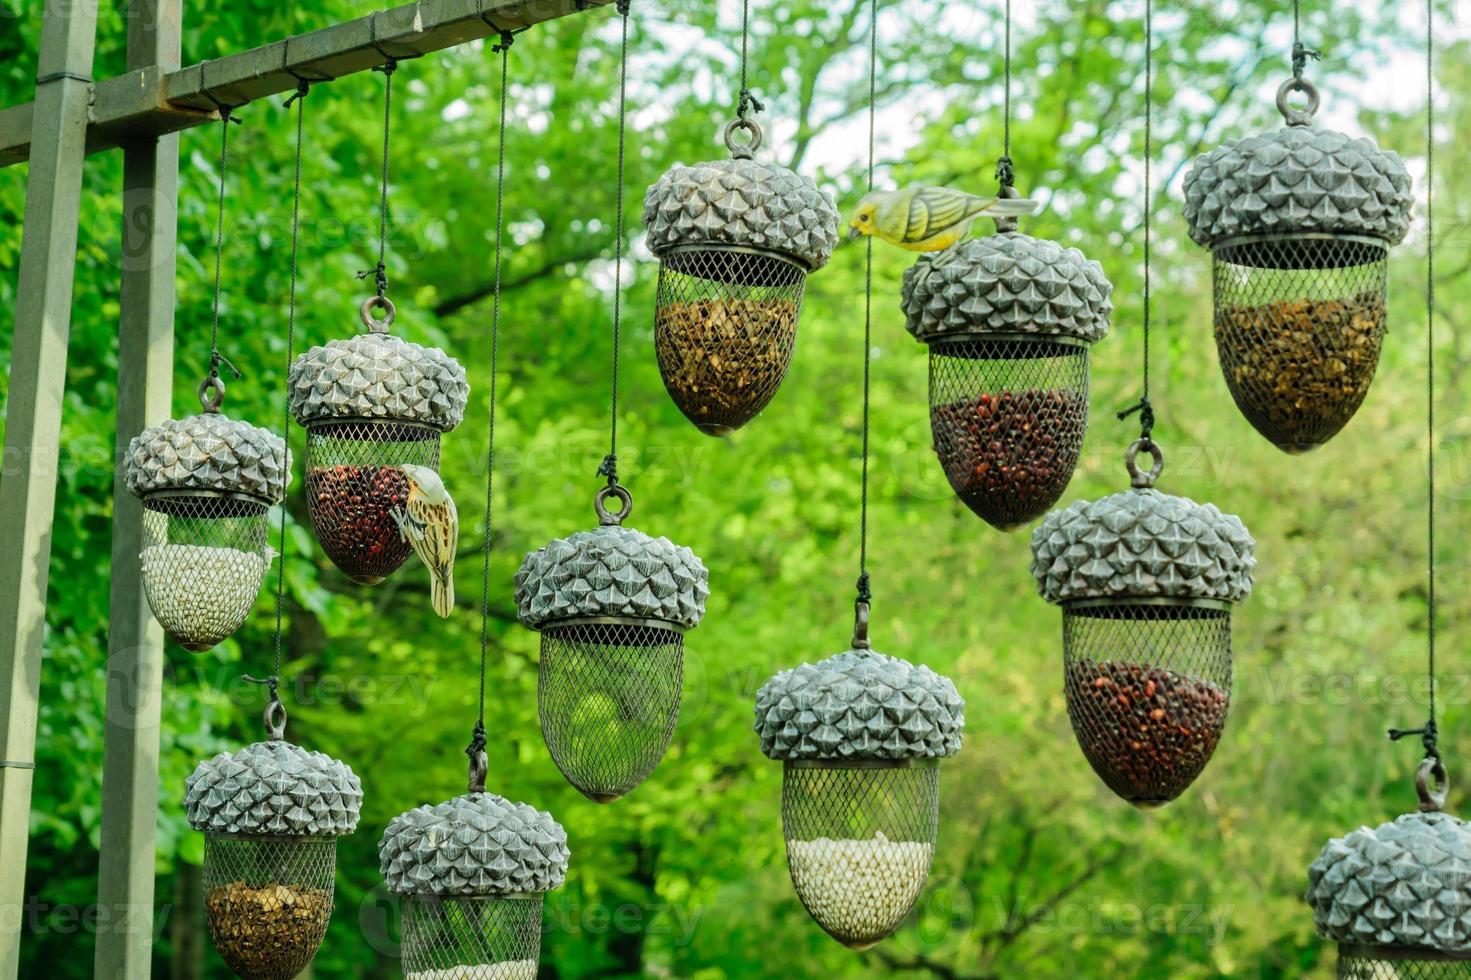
[[1009, 320], [371, 404]]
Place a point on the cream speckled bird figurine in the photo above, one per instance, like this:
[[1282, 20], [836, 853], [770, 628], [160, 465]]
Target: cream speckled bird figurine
[[927, 219], [428, 521]]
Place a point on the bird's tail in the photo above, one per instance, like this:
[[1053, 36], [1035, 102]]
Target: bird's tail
[[442, 593], [1012, 207]]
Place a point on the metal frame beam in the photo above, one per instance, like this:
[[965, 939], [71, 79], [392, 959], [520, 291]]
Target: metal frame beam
[[132, 714], [48, 255], [155, 99]]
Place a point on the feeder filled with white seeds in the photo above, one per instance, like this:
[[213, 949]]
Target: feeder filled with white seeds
[[1299, 222], [207, 483], [736, 240], [860, 736], [472, 872], [1397, 898], [271, 814], [371, 404], [612, 606], [1147, 582]]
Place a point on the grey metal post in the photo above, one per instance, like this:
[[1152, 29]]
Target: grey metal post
[[33, 423], [124, 949]]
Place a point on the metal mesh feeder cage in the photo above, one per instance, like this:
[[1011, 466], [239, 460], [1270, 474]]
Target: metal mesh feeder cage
[[612, 606], [1008, 320], [1299, 223], [736, 240], [207, 483], [370, 404], [1397, 898], [1146, 582], [860, 736], [472, 872], [271, 814]]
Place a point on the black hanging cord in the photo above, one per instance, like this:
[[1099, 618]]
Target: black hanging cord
[[748, 101], [1143, 405], [1005, 172], [476, 749], [299, 98], [865, 592], [215, 357], [1300, 54], [380, 271], [1428, 732], [609, 467]]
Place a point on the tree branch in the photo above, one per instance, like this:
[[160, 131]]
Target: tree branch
[[455, 304]]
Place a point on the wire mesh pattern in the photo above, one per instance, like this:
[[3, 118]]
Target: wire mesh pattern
[[725, 326], [1401, 966], [608, 696], [204, 558], [1008, 418], [471, 937], [860, 840], [1148, 688], [268, 900], [353, 487], [1299, 325]]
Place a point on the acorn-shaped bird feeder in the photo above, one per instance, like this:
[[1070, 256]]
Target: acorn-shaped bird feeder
[[859, 736], [612, 606], [472, 872], [271, 814], [1397, 898], [207, 483], [1299, 222], [1008, 320], [736, 240], [370, 404], [1146, 582]]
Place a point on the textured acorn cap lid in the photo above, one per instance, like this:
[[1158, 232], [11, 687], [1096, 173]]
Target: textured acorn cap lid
[[273, 788], [1298, 179], [859, 704], [1142, 544], [612, 571], [1404, 883], [744, 203], [378, 376], [208, 452], [1007, 283], [478, 844]]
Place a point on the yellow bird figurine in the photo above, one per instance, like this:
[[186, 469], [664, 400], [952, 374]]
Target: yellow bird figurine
[[927, 219], [429, 523]]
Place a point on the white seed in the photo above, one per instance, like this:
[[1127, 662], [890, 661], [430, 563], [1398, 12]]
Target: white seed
[[859, 889], [510, 970], [201, 594]]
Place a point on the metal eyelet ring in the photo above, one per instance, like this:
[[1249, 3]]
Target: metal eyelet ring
[[212, 394], [1138, 479], [743, 151], [1303, 116], [275, 718], [366, 312], [1432, 794], [599, 504], [860, 626], [479, 767]]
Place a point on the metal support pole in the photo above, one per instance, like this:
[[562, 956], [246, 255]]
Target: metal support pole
[[125, 878], [33, 424]]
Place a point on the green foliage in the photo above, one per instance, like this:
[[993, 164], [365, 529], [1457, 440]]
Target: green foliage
[[1040, 871]]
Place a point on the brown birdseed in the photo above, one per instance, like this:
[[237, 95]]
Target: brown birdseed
[[267, 932], [723, 359]]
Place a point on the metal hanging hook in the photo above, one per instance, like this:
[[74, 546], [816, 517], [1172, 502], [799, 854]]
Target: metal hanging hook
[[1142, 479], [609, 518], [1432, 784]]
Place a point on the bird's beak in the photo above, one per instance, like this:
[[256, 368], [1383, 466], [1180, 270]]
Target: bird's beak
[[854, 233]]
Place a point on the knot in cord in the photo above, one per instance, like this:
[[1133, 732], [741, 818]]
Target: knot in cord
[[379, 273], [609, 468], [1428, 737], [1300, 57], [1146, 416], [216, 359], [749, 104], [272, 683], [477, 741], [865, 590], [622, 7], [302, 88], [1005, 172], [504, 44]]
